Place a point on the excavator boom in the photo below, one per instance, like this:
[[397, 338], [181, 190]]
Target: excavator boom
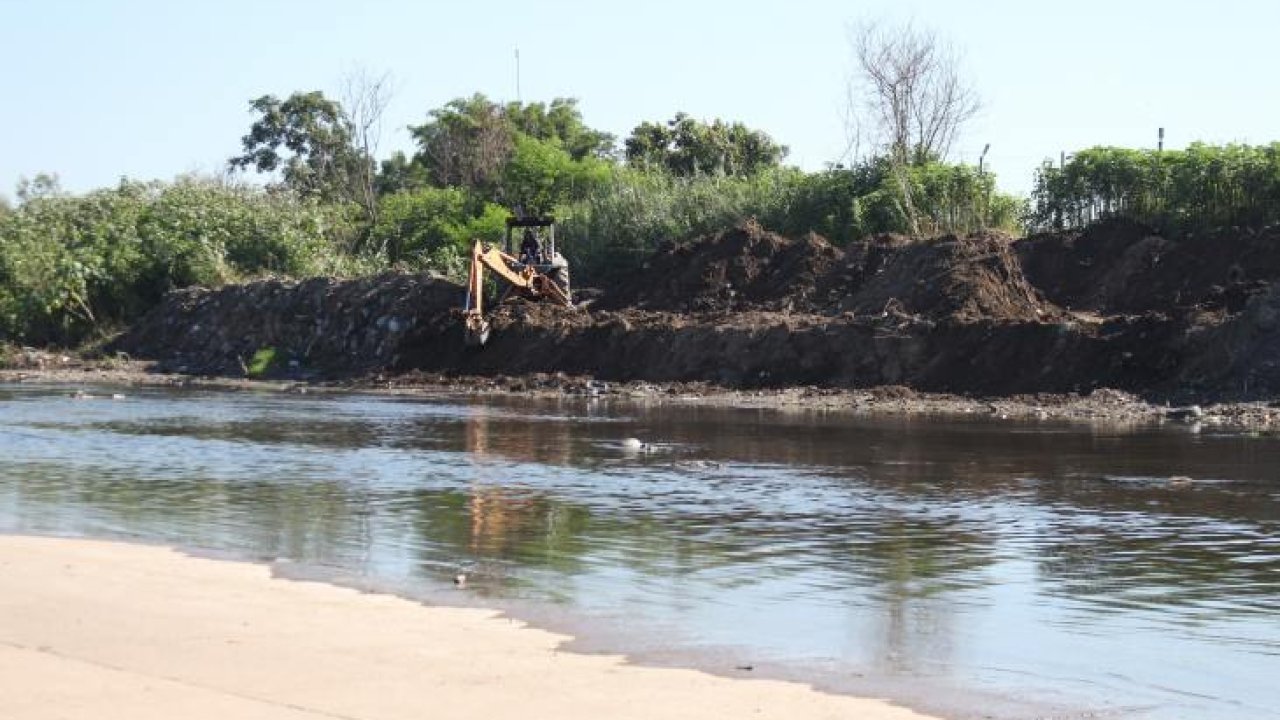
[[524, 280]]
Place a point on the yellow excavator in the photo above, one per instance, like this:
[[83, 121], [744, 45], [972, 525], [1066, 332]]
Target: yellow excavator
[[536, 272]]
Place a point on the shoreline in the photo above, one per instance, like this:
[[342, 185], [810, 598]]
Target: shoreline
[[581, 634], [149, 631], [1100, 407]]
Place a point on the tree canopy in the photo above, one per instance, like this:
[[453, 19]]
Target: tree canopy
[[308, 138], [464, 144], [530, 155], [561, 124], [686, 146]]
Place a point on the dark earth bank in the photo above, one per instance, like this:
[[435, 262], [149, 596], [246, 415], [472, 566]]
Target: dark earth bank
[[1115, 306]]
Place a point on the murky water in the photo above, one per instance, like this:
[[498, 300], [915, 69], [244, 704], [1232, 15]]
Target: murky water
[[980, 568]]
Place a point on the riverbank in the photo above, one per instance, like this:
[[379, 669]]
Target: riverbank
[[1112, 323], [1102, 406], [103, 630], [1190, 321]]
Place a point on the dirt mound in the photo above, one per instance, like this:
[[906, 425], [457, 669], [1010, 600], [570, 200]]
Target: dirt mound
[[1121, 267], [318, 325], [749, 268], [951, 278], [740, 268], [1237, 357]]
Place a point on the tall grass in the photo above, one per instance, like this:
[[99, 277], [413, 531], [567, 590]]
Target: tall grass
[[620, 223], [1200, 188], [617, 225]]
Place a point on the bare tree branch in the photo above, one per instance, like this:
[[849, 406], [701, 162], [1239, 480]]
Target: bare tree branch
[[364, 100], [907, 97], [906, 92]]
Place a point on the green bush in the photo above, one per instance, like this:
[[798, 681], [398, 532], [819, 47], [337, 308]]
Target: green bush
[[619, 223], [73, 265], [433, 227], [262, 362], [540, 175], [1200, 188]]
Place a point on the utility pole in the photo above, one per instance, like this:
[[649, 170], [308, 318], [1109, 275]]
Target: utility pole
[[518, 100], [986, 207], [1160, 142]]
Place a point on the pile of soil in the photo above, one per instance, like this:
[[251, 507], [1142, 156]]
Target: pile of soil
[[1236, 356], [950, 278], [1122, 267], [744, 267]]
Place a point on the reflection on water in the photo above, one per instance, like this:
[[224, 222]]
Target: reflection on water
[[1026, 560]]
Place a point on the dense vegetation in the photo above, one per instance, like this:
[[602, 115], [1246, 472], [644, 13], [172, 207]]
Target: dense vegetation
[[1175, 191], [619, 224], [72, 266]]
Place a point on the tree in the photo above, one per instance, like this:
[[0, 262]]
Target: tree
[[43, 185], [907, 96], [531, 155], [400, 173], [561, 123], [541, 175], [906, 93], [323, 160], [686, 146], [365, 98], [466, 143]]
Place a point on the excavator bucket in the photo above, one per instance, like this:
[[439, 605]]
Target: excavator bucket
[[476, 332]]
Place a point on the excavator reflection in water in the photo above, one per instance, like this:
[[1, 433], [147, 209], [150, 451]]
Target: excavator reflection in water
[[507, 521]]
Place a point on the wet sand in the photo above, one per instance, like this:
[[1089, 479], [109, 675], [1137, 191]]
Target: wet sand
[[105, 630]]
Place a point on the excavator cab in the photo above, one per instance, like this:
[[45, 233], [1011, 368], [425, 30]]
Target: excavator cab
[[537, 248], [535, 271]]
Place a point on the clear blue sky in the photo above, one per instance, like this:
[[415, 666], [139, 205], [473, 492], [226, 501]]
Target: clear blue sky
[[95, 91]]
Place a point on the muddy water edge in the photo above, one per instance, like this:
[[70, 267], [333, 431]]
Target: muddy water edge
[[970, 566]]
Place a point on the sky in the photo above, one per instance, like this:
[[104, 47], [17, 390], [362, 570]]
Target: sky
[[99, 90]]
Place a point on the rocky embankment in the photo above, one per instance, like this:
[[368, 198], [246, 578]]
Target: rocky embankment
[[1112, 307]]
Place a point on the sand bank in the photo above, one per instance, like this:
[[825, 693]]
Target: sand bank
[[104, 630]]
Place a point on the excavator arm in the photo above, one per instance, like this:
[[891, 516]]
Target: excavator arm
[[524, 280]]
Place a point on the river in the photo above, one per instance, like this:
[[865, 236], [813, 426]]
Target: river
[[971, 567]]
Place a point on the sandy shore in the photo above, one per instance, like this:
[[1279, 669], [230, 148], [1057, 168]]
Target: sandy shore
[[104, 630]]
